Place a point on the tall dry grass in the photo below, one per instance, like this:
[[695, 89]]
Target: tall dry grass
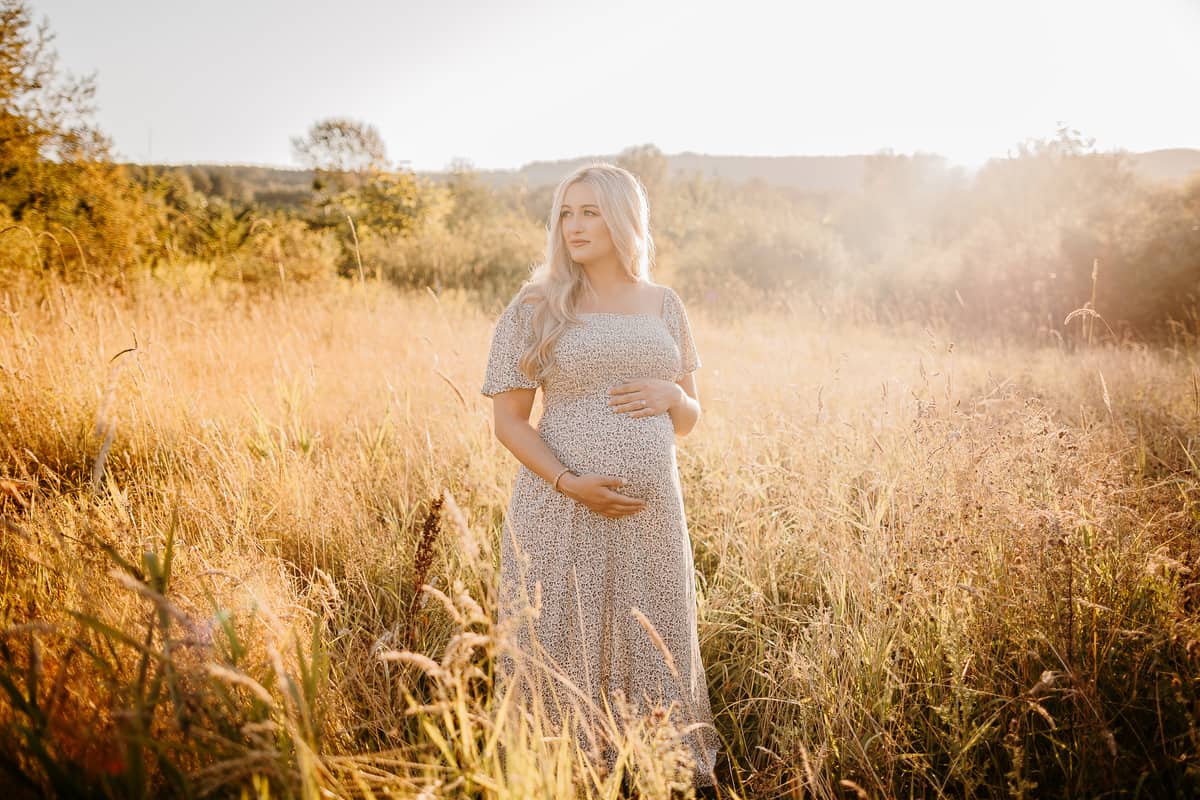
[[249, 545]]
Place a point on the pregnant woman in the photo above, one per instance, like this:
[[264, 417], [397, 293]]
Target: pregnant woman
[[595, 540]]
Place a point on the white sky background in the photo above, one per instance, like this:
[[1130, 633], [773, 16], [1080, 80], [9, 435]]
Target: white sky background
[[505, 83]]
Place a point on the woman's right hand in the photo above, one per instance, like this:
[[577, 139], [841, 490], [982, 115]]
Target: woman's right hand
[[597, 493]]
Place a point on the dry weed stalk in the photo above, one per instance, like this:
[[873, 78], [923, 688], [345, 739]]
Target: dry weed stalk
[[423, 560]]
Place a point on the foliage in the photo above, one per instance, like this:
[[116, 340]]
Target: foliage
[[179, 700], [241, 241], [341, 151], [57, 184], [649, 164], [383, 210]]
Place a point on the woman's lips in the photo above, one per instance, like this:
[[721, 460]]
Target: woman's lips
[[578, 242]]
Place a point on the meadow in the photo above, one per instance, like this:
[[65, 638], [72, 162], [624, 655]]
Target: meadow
[[250, 545]]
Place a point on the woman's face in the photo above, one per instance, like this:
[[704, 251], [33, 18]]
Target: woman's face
[[584, 231]]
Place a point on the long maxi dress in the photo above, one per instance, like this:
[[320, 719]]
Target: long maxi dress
[[590, 572]]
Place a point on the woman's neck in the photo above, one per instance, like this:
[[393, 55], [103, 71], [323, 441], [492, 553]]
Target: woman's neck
[[608, 281]]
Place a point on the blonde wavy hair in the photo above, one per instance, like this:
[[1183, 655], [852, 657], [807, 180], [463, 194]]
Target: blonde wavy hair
[[558, 282]]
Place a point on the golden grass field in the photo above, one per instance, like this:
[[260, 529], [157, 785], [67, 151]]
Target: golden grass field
[[925, 568]]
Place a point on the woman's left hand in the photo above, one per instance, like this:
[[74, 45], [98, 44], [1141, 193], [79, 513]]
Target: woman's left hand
[[644, 397]]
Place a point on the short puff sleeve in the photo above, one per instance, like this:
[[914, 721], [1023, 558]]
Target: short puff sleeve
[[675, 315], [510, 338]]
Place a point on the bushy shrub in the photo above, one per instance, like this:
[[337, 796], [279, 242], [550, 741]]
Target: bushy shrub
[[489, 255]]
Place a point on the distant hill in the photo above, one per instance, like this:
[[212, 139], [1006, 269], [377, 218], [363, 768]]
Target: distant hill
[[807, 173], [283, 187], [811, 173]]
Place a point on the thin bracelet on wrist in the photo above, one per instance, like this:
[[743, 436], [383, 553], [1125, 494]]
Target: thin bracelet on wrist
[[559, 475]]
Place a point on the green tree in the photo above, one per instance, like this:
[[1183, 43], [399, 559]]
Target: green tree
[[340, 151], [57, 180], [359, 195], [43, 114], [649, 164], [472, 199]]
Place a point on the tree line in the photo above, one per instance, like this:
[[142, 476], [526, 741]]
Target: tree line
[[1012, 250]]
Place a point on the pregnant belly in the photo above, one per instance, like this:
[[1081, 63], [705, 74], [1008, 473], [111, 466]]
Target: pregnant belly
[[594, 438]]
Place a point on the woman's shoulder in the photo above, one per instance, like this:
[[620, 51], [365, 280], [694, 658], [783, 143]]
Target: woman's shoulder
[[526, 298], [667, 297]]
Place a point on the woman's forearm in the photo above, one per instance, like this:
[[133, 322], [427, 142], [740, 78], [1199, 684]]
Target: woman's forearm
[[524, 442]]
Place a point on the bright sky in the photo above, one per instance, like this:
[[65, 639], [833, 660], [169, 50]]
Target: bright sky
[[505, 83]]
